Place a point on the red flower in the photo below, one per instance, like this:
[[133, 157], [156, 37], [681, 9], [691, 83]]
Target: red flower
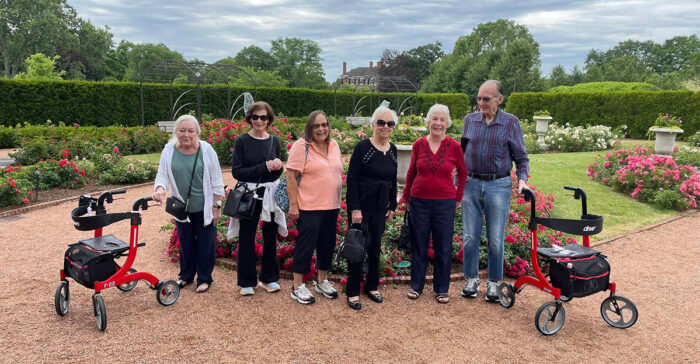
[[115, 150], [510, 239], [82, 172], [26, 200], [17, 190], [289, 146]]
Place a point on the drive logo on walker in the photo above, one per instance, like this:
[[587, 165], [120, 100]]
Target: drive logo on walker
[[589, 228]]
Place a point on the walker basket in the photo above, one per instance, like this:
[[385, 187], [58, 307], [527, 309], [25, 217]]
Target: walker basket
[[87, 266], [579, 277]]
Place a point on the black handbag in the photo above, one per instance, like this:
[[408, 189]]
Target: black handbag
[[173, 205], [242, 201], [353, 247], [405, 236]]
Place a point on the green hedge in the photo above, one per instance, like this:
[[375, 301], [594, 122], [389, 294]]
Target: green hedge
[[118, 103], [608, 86], [637, 109]]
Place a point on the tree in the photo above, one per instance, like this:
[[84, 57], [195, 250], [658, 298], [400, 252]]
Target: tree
[[139, 57], [299, 61], [87, 58], [413, 64], [40, 67], [33, 26], [501, 50], [255, 57], [558, 77]]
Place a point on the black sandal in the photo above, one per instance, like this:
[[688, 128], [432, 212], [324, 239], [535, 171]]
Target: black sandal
[[442, 298], [413, 294], [182, 284]]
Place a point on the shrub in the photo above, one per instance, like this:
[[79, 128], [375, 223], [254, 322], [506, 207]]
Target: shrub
[[648, 178], [687, 155], [580, 139], [115, 169], [608, 86], [635, 109]]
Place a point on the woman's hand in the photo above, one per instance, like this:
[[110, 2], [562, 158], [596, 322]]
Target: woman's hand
[[293, 213], [389, 215], [159, 195], [216, 211], [274, 164], [356, 217]]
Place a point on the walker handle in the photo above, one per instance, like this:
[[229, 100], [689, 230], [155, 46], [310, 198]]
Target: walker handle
[[579, 193], [108, 196], [530, 196], [141, 203]]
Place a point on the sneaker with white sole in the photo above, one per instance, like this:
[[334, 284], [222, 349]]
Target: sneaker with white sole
[[471, 288], [492, 291], [302, 295], [326, 288]]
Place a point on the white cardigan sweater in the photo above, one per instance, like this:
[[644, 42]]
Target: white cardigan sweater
[[213, 184]]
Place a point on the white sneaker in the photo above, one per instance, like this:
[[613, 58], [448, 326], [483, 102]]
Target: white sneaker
[[302, 295], [326, 289], [471, 288], [492, 291]]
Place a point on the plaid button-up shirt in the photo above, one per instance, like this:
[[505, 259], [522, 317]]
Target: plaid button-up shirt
[[492, 148]]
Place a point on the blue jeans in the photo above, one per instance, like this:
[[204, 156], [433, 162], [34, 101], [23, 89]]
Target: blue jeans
[[490, 200]]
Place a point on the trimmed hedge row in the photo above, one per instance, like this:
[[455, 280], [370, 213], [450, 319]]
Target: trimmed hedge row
[[118, 103], [637, 109]]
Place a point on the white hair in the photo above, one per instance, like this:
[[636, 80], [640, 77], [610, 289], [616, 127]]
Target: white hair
[[173, 136], [381, 110], [439, 108]]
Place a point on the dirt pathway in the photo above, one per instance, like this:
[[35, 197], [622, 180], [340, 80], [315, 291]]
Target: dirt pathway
[[657, 269]]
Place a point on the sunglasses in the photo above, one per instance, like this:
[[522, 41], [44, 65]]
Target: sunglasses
[[389, 123], [322, 125], [485, 99], [256, 117]]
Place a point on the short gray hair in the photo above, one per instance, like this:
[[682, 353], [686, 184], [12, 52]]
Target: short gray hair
[[173, 136], [439, 108], [378, 111], [499, 86]]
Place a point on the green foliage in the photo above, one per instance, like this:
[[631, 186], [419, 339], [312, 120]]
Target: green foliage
[[114, 168], [608, 86], [40, 67], [501, 50], [118, 103], [255, 57], [686, 155], [635, 109], [299, 61]]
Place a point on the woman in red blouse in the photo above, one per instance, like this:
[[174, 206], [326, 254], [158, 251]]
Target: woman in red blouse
[[432, 200]]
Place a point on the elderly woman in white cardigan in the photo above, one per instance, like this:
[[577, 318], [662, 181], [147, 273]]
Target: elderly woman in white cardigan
[[204, 188]]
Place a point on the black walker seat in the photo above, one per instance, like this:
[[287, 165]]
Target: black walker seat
[[571, 251], [106, 243]]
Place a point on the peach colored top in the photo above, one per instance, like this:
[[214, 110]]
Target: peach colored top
[[322, 181]]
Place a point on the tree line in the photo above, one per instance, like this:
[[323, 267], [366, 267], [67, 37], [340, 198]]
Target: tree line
[[47, 39]]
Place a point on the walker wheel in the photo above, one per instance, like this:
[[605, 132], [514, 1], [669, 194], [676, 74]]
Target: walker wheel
[[126, 287], [546, 322], [62, 299], [100, 312], [167, 292], [506, 295], [618, 312]]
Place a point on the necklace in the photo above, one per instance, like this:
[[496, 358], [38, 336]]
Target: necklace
[[381, 147]]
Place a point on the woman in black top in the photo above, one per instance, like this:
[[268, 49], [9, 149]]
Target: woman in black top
[[256, 161], [371, 199]]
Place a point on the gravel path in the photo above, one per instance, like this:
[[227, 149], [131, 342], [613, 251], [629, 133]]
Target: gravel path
[[653, 268]]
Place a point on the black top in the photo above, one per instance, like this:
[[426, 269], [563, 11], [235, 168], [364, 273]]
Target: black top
[[249, 157], [371, 178]]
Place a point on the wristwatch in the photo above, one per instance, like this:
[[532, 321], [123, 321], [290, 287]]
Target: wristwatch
[[218, 204]]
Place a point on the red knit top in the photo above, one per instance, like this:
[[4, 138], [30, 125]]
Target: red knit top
[[430, 176]]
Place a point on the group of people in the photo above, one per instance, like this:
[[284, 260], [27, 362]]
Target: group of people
[[491, 143]]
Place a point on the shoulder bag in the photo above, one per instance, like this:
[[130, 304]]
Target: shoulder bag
[[280, 195], [242, 201]]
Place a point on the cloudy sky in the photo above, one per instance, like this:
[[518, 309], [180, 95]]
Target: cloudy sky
[[358, 31]]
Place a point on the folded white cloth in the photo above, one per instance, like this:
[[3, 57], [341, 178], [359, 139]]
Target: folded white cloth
[[268, 206]]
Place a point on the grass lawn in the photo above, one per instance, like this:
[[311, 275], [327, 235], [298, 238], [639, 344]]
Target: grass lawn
[[551, 171], [153, 157]]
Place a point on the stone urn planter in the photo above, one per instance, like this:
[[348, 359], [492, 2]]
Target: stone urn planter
[[541, 128], [404, 159], [665, 140]]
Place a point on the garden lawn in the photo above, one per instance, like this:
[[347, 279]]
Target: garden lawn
[[152, 157], [550, 172]]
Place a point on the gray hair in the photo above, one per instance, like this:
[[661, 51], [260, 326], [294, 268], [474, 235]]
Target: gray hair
[[439, 108], [173, 136], [499, 86], [381, 110]]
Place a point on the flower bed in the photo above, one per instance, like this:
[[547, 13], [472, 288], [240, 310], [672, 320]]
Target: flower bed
[[517, 244], [222, 134], [654, 179], [580, 139]]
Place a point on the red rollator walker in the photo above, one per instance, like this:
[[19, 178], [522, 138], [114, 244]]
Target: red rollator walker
[[91, 262], [574, 271]]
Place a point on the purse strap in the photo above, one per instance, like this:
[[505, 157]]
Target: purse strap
[[306, 156], [196, 159]]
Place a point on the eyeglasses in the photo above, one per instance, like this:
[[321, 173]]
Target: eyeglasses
[[322, 125], [389, 123], [485, 99], [261, 117]]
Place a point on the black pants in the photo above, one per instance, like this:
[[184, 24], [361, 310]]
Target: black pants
[[317, 230], [375, 223], [269, 267], [431, 218], [197, 248]]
